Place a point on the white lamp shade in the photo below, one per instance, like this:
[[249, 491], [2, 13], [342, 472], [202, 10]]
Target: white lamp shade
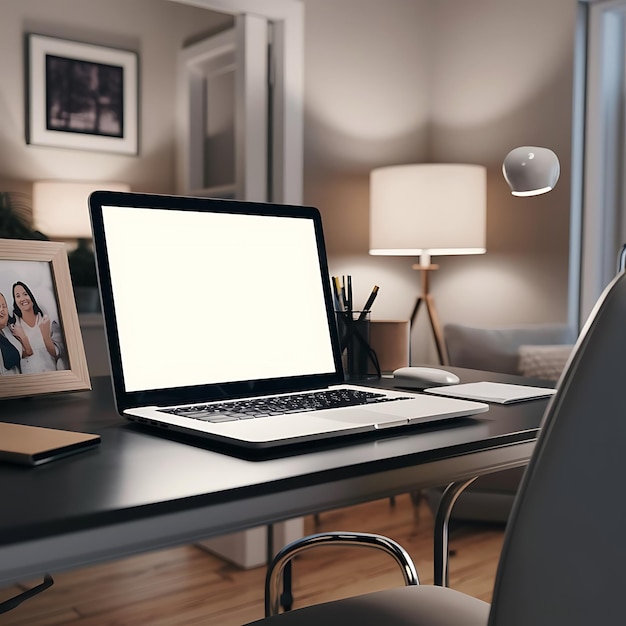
[[531, 170], [60, 208], [428, 209]]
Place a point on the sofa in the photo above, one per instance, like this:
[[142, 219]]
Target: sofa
[[533, 350]]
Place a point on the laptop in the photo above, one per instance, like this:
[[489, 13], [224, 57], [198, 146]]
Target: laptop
[[220, 323]]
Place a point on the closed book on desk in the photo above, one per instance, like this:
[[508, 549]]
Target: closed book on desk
[[34, 445]]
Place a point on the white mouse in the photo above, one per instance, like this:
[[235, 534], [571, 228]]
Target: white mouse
[[422, 377]]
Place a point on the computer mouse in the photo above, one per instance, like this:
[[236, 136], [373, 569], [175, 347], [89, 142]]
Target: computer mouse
[[422, 377]]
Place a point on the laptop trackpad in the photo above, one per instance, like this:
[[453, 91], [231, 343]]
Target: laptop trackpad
[[365, 416]]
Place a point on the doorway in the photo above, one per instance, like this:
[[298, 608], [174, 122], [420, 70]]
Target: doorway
[[286, 70]]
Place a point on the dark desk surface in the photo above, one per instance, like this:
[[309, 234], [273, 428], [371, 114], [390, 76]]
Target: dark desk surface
[[167, 491]]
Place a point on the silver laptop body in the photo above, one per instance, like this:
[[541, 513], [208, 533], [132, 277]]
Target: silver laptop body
[[218, 302]]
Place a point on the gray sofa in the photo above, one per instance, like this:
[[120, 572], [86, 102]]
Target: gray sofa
[[535, 350], [503, 349]]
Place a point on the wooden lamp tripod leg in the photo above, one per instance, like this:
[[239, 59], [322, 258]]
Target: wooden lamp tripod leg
[[432, 313]]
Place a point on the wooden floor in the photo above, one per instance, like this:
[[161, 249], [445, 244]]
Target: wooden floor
[[187, 585]]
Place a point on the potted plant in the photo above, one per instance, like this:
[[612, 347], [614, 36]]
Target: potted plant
[[83, 272], [13, 223], [14, 212]]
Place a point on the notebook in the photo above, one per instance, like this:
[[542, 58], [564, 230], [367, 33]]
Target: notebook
[[34, 445], [211, 304], [500, 393]]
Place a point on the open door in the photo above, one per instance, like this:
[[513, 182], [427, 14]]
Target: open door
[[224, 99]]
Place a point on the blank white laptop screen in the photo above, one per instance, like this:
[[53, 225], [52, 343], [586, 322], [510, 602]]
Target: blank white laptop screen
[[215, 297]]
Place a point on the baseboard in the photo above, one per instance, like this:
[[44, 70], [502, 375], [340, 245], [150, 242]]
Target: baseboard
[[248, 548]]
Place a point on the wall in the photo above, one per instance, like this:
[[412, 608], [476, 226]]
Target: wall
[[405, 81], [386, 82], [156, 32]]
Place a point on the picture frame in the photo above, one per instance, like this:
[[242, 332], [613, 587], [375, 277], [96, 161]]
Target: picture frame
[[35, 281], [81, 96]]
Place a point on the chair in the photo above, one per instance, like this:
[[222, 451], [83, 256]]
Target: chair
[[519, 350], [564, 553]]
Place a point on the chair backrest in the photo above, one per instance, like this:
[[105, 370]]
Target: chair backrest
[[563, 562]]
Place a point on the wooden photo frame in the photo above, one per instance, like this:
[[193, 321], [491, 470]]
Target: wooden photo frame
[[38, 321], [81, 96]]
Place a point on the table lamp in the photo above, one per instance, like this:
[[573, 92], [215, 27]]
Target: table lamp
[[60, 211], [425, 210], [60, 208]]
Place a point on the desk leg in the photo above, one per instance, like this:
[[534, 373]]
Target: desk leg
[[442, 521], [286, 597]]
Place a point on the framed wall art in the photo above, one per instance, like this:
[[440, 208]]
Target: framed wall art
[[41, 348], [81, 96]]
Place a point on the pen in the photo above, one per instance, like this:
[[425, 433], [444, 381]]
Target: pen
[[337, 293], [368, 304], [350, 307]]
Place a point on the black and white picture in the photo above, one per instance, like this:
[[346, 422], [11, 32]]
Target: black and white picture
[[82, 96]]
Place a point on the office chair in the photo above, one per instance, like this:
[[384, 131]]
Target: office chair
[[563, 561]]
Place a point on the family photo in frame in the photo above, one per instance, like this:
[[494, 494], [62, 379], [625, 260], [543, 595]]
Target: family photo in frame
[[41, 348]]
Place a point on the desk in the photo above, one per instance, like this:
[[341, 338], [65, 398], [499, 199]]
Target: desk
[[141, 491]]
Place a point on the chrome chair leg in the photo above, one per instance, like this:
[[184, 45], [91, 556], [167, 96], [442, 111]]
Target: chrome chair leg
[[442, 522]]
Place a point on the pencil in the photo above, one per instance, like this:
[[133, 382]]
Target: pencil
[[368, 304]]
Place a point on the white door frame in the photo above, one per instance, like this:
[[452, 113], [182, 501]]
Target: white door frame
[[598, 207], [288, 33], [238, 54]]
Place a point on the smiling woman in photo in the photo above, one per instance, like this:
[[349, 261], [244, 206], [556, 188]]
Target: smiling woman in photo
[[38, 334], [11, 350]]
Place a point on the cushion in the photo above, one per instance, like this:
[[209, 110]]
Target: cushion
[[545, 362], [422, 605]]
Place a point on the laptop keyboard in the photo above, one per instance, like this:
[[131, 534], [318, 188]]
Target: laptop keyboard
[[279, 405]]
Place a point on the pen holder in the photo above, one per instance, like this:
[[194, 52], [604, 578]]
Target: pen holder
[[354, 339]]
